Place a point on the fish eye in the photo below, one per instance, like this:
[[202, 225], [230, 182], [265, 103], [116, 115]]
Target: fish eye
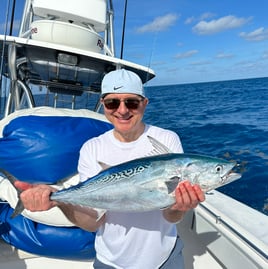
[[218, 168]]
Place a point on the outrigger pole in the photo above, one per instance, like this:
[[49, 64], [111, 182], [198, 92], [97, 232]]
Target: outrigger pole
[[123, 30]]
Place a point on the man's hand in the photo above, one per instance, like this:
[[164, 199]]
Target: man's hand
[[187, 197], [35, 197]]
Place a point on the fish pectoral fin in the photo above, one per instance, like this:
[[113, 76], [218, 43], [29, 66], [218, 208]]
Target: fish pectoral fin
[[100, 212], [104, 166]]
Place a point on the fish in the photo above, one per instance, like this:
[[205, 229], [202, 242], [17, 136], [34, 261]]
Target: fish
[[146, 183]]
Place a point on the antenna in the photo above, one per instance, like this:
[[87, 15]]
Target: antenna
[[12, 17], [123, 31]]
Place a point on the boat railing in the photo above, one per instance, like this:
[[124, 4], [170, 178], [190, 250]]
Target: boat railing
[[225, 236]]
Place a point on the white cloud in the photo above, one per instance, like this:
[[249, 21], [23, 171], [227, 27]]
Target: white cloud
[[265, 55], [223, 55], [219, 25], [203, 16], [190, 20], [256, 35], [186, 54], [207, 15], [159, 24], [201, 62]]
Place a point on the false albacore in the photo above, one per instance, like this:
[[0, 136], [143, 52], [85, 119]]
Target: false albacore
[[145, 184], [148, 183]]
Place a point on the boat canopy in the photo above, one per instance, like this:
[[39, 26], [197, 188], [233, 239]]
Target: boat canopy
[[83, 12], [67, 24], [65, 47]]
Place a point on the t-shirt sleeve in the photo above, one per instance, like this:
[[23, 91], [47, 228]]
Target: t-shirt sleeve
[[175, 143], [87, 164]]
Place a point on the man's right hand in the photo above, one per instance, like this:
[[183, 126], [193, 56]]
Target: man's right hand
[[36, 197]]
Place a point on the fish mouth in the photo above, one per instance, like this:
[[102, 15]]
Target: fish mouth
[[230, 176]]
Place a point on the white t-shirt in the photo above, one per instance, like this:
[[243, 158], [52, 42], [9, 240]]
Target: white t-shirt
[[130, 240]]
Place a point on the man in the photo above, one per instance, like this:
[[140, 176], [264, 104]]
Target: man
[[126, 240]]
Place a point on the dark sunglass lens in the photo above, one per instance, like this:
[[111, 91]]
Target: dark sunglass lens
[[132, 103], [112, 103], [115, 103]]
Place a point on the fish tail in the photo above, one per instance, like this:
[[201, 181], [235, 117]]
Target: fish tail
[[7, 175], [19, 207]]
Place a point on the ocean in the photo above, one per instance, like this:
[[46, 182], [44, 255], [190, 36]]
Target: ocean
[[226, 119]]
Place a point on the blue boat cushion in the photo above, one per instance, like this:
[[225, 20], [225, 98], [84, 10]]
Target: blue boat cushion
[[45, 240], [45, 149]]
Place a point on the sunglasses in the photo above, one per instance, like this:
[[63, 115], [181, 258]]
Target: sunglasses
[[114, 103]]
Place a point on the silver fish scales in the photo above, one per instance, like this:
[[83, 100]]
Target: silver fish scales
[[148, 183]]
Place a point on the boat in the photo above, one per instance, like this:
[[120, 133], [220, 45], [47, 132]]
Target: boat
[[65, 50]]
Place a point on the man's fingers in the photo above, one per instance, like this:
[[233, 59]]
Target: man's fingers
[[22, 185]]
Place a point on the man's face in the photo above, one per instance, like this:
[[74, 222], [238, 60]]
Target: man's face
[[124, 111]]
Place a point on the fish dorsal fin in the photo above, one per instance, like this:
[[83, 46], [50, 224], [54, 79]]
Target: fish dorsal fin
[[104, 166], [158, 147]]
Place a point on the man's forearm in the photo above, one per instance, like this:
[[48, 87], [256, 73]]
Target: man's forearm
[[85, 218]]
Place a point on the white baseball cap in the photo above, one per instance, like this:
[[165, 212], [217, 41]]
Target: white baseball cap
[[122, 81]]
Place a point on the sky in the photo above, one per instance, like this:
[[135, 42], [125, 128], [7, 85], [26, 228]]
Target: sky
[[189, 41]]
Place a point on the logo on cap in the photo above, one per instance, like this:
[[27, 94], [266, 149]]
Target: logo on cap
[[117, 88]]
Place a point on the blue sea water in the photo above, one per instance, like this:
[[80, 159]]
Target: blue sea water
[[227, 119]]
